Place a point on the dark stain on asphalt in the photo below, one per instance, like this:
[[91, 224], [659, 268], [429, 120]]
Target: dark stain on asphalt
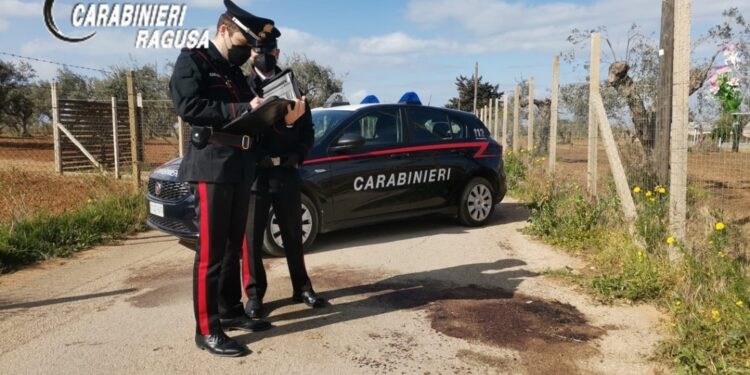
[[550, 336], [163, 284]]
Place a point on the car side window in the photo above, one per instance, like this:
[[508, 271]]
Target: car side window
[[459, 130], [379, 128], [429, 125]]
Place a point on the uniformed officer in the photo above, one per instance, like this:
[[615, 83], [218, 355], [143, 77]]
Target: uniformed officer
[[209, 90], [281, 150]]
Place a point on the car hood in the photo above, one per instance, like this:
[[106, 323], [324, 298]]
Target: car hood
[[167, 171]]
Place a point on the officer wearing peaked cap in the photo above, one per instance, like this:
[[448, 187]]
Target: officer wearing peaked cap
[[209, 90], [281, 150]]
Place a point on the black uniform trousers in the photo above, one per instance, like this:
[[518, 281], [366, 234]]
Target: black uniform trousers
[[221, 209], [284, 194]]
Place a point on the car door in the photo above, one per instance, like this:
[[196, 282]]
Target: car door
[[441, 156], [364, 180]]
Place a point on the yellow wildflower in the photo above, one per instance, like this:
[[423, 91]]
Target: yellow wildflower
[[716, 315], [649, 194], [637, 189], [89, 200], [720, 226], [652, 199], [661, 190], [740, 303], [670, 240], [678, 303], [722, 254]]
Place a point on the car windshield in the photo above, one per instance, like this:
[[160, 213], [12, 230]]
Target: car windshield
[[327, 120]]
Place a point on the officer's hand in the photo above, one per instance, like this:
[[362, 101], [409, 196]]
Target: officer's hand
[[256, 102], [293, 113]]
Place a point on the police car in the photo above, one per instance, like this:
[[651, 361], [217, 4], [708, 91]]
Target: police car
[[370, 163]]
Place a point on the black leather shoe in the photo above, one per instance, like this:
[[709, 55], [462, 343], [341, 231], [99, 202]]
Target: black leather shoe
[[245, 323], [221, 345], [309, 298], [254, 309]]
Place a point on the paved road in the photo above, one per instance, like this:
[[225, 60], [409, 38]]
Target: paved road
[[419, 296]]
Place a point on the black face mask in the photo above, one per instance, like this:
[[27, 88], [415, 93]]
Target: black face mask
[[237, 55], [265, 63]]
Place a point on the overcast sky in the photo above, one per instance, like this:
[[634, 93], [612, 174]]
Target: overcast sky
[[383, 47]]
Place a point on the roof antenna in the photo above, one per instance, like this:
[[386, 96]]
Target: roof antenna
[[429, 100]]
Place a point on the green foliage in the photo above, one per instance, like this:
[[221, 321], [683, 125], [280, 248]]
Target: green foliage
[[316, 81], [46, 236], [465, 87], [515, 170], [708, 294]]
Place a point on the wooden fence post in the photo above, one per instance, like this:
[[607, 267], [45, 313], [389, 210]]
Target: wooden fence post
[[56, 130], [491, 117], [618, 171], [553, 114], [134, 143], [115, 137], [497, 117], [516, 120], [594, 78], [680, 112], [531, 115], [180, 136], [504, 136]]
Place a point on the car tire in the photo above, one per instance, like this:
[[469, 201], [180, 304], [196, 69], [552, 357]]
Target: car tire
[[272, 244], [477, 203]]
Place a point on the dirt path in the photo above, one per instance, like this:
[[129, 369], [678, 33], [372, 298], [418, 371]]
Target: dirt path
[[423, 296]]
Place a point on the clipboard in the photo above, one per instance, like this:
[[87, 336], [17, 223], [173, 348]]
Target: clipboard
[[254, 122], [282, 85]]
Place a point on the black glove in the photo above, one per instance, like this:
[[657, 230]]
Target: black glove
[[265, 162], [291, 161]]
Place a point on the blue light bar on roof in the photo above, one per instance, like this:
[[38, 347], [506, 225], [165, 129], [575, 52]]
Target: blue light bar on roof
[[370, 99], [410, 97]]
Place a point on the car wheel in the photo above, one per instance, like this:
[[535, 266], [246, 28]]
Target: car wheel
[[477, 203], [272, 242]]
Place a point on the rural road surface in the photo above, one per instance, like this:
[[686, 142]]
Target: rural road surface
[[422, 296]]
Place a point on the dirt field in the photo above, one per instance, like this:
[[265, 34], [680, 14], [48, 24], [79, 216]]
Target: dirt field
[[724, 176], [420, 296]]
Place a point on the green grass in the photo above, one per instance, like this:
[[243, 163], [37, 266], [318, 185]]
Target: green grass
[[45, 236], [707, 294]]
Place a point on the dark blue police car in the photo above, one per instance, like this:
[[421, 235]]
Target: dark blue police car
[[370, 163]]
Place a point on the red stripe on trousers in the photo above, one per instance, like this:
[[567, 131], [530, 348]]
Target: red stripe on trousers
[[245, 266], [204, 260]]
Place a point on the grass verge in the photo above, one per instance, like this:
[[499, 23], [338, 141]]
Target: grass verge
[[44, 236], [706, 294]]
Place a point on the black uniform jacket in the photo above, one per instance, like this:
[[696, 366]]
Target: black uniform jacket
[[208, 91], [282, 142]]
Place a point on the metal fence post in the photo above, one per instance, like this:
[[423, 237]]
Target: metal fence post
[[115, 137]]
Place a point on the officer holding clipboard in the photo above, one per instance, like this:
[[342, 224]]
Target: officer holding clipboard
[[281, 149], [209, 90]]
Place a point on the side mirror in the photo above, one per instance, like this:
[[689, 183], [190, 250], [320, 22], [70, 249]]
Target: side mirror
[[349, 141]]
